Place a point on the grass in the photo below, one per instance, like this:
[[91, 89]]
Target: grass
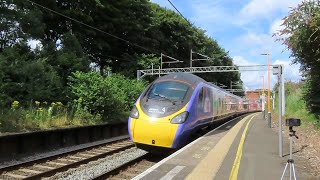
[[41, 117], [296, 108]]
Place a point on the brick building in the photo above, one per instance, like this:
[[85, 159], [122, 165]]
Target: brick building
[[254, 99], [253, 96]]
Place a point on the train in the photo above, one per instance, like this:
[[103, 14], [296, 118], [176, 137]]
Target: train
[[175, 106]]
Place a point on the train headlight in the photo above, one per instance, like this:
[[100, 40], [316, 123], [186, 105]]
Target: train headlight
[[134, 113], [180, 118]]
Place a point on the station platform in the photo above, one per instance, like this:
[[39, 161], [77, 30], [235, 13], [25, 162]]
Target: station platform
[[244, 148]]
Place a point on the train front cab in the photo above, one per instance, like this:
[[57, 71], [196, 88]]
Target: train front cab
[[154, 131], [161, 113]]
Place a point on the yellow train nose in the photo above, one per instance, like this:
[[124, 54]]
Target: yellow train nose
[[155, 133]]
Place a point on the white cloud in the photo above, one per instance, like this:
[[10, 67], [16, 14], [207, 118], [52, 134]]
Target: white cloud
[[254, 38], [212, 15], [240, 61], [276, 26], [266, 8], [253, 44], [253, 79], [291, 71], [244, 28]]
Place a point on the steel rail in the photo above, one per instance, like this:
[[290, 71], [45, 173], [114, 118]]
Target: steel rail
[[111, 147]]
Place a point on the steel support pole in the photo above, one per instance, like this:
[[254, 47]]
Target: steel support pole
[[191, 58], [138, 74], [263, 107], [280, 115], [283, 91], [152, 67], [290, 174], [160, 63], [269, 111], [263, 100]]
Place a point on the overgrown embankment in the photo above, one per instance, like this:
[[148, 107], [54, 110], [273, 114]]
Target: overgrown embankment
[[296, 108], [307, 145], [96, 99]]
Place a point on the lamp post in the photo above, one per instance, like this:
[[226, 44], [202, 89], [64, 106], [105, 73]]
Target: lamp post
[[269, 112]]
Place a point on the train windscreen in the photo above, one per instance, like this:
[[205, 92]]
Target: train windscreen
[[168, 90]]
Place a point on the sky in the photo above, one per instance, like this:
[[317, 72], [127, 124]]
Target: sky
[[244, 28]]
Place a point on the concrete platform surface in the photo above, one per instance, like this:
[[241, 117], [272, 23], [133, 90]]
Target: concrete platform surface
[[244, 148]]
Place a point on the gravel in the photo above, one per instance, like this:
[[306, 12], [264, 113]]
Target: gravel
[[95, 168], [307, 145]]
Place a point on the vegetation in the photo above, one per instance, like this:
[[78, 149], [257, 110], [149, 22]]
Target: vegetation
[[296, 106], [108, 96], [301, 35], [42, 115], [72, 60]]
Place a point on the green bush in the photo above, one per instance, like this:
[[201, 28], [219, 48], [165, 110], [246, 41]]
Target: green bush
[[111, 97]]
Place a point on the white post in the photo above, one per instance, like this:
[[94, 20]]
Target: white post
[[138, 74], [280, 115], [283, 90], [152, 68], [273, 98]]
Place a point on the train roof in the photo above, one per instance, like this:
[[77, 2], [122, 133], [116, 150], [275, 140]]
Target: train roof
[[186, 77], [191, 79]]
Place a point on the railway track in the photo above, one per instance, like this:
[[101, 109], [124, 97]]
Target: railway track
[[133, 168], [49, 166]]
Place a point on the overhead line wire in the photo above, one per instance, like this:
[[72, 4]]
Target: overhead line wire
[[114, 36], [179, 12]]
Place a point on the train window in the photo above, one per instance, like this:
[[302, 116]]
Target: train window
[[205, 100], [168, 90]]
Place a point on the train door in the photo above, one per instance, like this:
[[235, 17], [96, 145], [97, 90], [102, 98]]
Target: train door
[[234, 105], [220, 102], [214, 95], [200, 102], [205, 102]]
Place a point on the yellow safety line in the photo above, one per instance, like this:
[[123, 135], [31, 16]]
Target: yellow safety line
[[236, 164]]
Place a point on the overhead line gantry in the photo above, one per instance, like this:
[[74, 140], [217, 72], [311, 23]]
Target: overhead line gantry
[[146, 72]]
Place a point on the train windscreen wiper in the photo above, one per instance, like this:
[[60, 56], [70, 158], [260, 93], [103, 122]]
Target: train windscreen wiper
[[168, 99], [162, 96]]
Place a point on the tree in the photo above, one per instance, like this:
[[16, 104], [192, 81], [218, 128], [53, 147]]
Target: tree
[[70, 58], [10, 31], [122, 35], [26, 77], [301, 34], [173, 36]]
